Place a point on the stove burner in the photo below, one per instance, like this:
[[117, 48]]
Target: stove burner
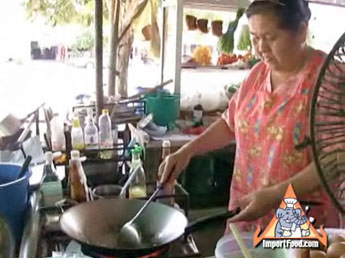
[[154, 254]]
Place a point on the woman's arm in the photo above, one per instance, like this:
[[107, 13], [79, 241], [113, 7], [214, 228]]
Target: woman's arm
[[216, 136], [257, 204], [304, 182]]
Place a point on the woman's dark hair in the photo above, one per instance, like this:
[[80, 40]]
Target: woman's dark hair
[[291, 13]]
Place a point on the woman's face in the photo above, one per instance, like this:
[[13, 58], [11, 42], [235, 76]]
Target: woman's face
[[275, 46]]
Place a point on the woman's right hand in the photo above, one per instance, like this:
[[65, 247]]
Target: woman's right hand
[[173, 165]]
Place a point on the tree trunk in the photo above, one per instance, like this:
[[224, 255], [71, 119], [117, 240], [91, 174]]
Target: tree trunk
[[114, 14], [130, 10], [125, 48], [124, 55]]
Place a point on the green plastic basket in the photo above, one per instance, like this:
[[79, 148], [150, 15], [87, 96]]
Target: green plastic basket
[[164, 108]]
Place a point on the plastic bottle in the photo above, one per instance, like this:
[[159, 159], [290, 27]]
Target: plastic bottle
[[50, 174], [77, 181], [57, 137], [51, 188], [105, 134], [77, 137], [91, 134], [137, 187], [168, 189], [197, 114]]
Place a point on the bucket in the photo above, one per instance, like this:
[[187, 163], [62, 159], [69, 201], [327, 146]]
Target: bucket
[[13, 197], [164, 107]]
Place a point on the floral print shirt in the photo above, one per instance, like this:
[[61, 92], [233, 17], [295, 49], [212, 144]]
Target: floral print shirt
[[267, 126]]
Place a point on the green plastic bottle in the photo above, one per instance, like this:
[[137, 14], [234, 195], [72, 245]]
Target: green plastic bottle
[[137, 187]]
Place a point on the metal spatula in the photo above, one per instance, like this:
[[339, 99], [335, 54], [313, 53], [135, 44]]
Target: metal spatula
[[130, 234]]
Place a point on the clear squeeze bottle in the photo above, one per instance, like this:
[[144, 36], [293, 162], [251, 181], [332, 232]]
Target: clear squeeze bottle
[[137, 187]]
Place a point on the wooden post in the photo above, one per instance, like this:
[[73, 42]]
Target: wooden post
[[163, 38], [99, 55], [178, 45]]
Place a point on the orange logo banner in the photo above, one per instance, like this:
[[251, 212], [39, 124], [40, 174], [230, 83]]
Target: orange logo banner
[[290, 222]]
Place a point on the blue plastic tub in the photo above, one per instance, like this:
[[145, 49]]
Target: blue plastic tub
[[14, 194]]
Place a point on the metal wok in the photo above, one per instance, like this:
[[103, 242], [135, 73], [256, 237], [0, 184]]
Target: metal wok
[[96, 225]]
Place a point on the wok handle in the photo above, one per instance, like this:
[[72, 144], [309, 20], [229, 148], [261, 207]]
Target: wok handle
[[198, 223]]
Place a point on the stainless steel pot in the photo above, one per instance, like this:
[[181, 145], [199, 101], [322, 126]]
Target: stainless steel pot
[[107, 192]]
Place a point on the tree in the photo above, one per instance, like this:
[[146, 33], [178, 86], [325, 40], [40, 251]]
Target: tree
[[122, 17], [59, 12]]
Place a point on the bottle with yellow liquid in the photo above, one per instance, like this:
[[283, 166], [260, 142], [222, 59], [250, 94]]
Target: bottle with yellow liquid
[[77, 135], [137, 187]]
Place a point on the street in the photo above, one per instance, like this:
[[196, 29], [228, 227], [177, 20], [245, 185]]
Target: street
[[25, 86]]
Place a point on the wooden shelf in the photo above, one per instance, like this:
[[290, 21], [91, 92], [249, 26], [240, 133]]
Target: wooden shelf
[[216, 67]]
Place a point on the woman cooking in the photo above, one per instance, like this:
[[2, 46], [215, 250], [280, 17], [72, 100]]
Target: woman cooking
[[268, 117]]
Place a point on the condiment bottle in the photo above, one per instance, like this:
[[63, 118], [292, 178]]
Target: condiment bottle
[[77, 136], [50, 174], [91, 134], [137, 187], [168, 189], [105, 134], [51, 187], [197, 115], [77, 181]]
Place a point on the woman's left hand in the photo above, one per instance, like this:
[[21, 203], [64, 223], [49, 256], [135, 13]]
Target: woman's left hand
[[257, 204]]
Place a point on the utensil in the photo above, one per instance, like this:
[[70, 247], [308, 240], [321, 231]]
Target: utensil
[[154, 89], [24, 167], [240, 241], [130, 233], [129, 180], [97, 224]]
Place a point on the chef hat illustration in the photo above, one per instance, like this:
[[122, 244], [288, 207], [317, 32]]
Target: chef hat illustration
[[290, 202]]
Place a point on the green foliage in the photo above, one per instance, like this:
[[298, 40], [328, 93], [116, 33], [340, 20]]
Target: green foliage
[[226, 42], [60, 12], [84, 41], [244, 42]]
